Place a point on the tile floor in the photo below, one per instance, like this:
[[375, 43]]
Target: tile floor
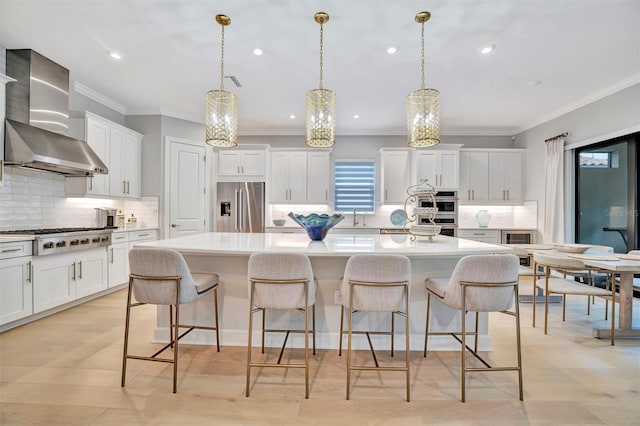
[[65, 369]]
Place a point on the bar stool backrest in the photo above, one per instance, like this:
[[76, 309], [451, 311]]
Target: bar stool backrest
[[486, 269], [281, 266], [160, 262], [376, 268]]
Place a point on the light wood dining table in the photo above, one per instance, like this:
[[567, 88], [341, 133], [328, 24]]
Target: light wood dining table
[[625, 268]]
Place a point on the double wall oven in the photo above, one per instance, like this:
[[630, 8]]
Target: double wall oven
[[447, 216]]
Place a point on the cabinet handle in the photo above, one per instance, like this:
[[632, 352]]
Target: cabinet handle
[[326, 195], [112, 255], [479, 233], [91, 183], [238, 167], [504, 195], [74, 271], [143, 235], [508, 196], [11, 250], [29, 271], [468, 195], [473, 194], [124, 186], [80, 274], [127, 187]]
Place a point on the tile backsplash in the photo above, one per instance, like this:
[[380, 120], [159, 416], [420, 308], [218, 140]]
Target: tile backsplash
[[31, 199], [523, 216]]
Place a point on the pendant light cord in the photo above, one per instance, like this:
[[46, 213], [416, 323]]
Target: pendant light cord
[[222, 61], [422, 53], [321, 52]]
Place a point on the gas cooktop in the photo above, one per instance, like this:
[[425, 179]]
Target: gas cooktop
[[45, 231]]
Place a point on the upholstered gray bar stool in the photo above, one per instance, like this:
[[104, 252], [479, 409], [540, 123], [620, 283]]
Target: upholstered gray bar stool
[[162, 277], [376, 283], [281, 281], [479, 283]]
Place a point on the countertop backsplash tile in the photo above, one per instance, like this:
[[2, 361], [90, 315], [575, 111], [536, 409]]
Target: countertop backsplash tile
[[522, 216], [31, 199]]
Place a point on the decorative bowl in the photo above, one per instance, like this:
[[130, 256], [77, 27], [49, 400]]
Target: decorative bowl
[[279, 222], [316, 225]]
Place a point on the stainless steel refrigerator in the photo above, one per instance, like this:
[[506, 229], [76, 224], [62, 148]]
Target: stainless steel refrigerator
[[240, 207]]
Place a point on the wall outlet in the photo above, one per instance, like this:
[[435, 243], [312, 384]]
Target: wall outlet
[[337, 297]]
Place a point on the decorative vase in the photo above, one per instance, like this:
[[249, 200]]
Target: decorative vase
[[483, 218], [316, 225]]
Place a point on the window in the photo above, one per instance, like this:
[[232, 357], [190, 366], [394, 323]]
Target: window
[[354, 185], [599, 160]]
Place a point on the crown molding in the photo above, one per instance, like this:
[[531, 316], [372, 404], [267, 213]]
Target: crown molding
[[98, 97], [600, 94]]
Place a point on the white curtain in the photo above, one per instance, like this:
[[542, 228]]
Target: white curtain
[[553, 231]]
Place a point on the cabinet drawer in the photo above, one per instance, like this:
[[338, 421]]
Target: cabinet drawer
[[119, 237], [486, 236], [143, 235], [16, 249]]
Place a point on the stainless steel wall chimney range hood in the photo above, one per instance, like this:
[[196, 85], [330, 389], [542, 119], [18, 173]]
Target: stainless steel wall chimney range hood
[[38, 119]]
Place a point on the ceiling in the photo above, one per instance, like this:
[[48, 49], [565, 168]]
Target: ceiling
[[578, 51]]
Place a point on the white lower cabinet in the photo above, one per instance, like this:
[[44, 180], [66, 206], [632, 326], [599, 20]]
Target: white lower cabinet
[[16, 289], [118, 255], [62, 278], [491, 236]]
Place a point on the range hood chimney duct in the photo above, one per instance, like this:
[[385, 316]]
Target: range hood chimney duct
[[37, 124]]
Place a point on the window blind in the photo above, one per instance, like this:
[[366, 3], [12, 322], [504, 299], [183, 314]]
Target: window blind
[[354, 186]]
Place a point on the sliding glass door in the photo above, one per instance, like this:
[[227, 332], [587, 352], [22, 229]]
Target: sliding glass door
[[607, 194]]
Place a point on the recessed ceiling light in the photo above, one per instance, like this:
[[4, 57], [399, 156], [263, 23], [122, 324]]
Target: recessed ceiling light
[[257, 51], [356, 116], [115, 55], [485, 50], [534, 83], [292, 116], [392, 50]]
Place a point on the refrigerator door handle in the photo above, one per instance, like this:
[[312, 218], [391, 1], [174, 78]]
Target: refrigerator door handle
[[236, 216], [241, 210]]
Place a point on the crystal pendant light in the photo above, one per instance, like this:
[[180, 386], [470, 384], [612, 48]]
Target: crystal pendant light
[[321, 104], [423, 107], [221, 121]]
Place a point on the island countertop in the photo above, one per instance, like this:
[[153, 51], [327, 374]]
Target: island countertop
[[334, 245]]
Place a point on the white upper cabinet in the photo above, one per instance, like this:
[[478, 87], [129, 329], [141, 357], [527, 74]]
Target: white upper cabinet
[[474, 176], [120, 149], [396, 174], [505, 176], [248, 164], [300, 176], [440, 168], [491, 176], [318, 177]]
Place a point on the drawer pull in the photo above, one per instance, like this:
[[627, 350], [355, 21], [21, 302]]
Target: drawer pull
[[11, 250], [143, 235]]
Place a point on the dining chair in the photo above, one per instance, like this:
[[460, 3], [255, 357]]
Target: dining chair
[[479, 283], [161, 276], [282, 281], [561, 285]]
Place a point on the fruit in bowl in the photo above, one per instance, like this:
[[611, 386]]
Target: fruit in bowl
[[316, 225], [279, 222]]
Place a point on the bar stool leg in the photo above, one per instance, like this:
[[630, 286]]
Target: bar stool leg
[[341, 329], [246, 392], [215, 300], [126, 334], [426, 333]]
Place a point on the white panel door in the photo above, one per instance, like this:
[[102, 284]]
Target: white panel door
[[318, 177], [298, 177], [91, 272], [54, 281], [478, 171], [98, 139], [513, 173], [427, 167], [117, 182], [279, 182], [132, 161], [187, 189], [449, 170], [15, 289], [396, 176]]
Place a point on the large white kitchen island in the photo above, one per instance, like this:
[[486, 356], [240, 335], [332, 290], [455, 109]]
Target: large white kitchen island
[[227, 255]]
